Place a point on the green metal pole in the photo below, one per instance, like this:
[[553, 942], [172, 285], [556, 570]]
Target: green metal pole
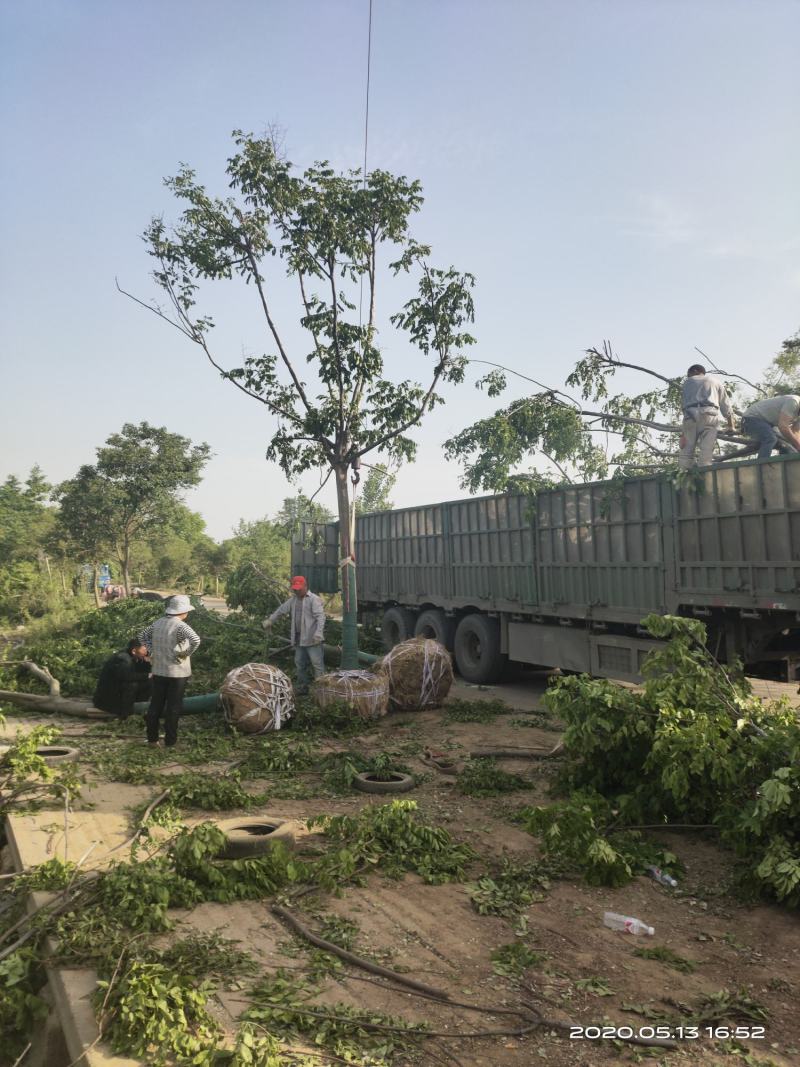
[[349, 618], [191, 705]]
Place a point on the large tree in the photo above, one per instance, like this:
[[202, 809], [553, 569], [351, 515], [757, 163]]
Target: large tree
[[333, 234], [132, 490]]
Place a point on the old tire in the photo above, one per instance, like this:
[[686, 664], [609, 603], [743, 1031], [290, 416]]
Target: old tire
[[477, 649], [434, 623], [397, 625], [55, 754], [399, 783], [254, 836]]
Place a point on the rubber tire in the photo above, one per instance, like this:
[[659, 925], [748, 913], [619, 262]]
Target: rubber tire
[[239, 844], [365, 785], [397, 625], [488, 665], [65, 755], [438, 626]]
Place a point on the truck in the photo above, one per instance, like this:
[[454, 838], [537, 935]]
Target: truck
[[563, 578]]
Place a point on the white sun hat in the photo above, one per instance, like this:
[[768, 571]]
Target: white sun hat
[[177, 605]]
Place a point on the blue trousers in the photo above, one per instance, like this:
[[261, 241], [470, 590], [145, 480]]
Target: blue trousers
[[306, 656], [764, 432]]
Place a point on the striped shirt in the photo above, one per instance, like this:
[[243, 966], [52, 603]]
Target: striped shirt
[[166, 639]]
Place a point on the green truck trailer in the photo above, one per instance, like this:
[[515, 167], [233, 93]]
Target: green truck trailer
[[565, 577]]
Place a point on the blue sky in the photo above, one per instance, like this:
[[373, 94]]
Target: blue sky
[[620, 170]]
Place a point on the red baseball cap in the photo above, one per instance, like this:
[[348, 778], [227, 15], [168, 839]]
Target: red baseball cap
[[299, 582]]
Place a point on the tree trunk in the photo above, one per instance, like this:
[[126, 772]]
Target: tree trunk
[[96, 585], [216, 585], [63, 582], [348, 575], [126, 566]]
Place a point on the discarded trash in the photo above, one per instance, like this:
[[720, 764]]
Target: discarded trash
[[627, 924], [661, 876]]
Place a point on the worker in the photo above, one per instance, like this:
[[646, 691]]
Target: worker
[[170, 643], [306, 625], [704, 399], [766, 419], [124, 679]]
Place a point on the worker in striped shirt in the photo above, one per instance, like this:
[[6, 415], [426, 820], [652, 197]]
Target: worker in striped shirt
[[170, 643]]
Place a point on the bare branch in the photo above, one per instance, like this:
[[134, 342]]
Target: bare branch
[[155, 311], [607, 356], [728, 374], [273, 329]]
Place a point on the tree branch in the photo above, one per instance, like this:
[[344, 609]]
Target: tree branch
[[608, 357], [273, 329]]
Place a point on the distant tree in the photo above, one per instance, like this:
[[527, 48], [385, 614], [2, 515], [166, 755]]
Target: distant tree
[[85, 520], [375, 491], [330, 232], [26, 523], [24, 516], [259, 554], [135, 486], [299, 509], [783, 373]]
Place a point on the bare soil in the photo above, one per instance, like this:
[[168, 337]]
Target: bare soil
[[434, 934]]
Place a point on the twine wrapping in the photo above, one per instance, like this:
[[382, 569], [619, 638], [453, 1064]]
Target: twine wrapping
[[364, 693], [420, 674], [256, 698]]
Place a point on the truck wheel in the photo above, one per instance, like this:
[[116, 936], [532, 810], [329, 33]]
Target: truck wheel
[[435, 624], [247, 837], [397, 626], [477, 649]]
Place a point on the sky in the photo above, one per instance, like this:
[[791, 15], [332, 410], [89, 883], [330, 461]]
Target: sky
[[605, 168]]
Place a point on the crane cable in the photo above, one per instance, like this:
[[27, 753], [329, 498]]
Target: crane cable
[[356, 478]]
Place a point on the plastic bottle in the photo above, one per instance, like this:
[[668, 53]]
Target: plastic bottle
[[661, 876], [627, 924]]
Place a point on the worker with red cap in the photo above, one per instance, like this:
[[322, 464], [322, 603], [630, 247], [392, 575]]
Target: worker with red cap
[[306, 624]]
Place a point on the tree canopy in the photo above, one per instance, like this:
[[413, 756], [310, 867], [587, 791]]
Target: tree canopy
[[132, 491], [333, 234]]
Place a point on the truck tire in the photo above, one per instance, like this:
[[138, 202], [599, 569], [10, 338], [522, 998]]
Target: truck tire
[[246, 837], [477, 649], [368, 782], [397, 626], [434, 623]]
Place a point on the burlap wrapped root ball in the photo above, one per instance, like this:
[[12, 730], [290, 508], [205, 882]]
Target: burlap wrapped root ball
[[364, 693], [256, 698], [420, 674]]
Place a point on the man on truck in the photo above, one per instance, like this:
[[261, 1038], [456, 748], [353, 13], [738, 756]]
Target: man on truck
[[766, 419], [704, 400], [306, 625]]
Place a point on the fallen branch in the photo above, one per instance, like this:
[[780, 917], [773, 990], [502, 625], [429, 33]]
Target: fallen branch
[[517, 753]]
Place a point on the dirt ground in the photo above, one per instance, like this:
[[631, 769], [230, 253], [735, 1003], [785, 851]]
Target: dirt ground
[[434, 934]]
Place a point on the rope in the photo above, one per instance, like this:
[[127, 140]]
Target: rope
[[266, 688], [341, 686]]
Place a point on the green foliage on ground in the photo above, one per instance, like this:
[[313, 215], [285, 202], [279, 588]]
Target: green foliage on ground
[[457, 710], [512, 960], [693, 746], [575, 830], [394, 837], [513, 887], [667, 957], [283, 1004], [483, 778]]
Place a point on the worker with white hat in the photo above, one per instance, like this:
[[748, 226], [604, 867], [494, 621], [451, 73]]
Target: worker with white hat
[[170, 643]]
